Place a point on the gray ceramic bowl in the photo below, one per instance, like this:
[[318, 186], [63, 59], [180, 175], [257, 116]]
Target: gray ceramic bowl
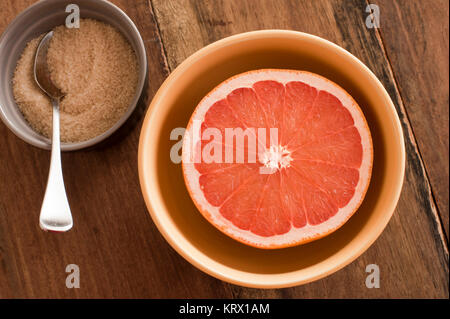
[[40, 18]]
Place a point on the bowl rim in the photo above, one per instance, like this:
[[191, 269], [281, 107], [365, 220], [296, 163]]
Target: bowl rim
[[199, 259], [143, 72]]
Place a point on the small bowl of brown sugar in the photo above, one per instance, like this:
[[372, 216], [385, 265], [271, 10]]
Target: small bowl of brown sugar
[[98, 61]]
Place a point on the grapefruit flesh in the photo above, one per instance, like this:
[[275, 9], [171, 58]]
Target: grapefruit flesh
[[317, 169]]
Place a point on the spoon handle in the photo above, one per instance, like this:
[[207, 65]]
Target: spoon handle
[[55, 210]]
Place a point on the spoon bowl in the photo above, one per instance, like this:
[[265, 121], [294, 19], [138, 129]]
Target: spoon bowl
[[41, 71]]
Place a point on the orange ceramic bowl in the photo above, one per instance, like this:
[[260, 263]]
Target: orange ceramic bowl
[[171, 207]]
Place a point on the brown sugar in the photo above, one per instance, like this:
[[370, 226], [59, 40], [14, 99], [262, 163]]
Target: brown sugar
[[97, 70]]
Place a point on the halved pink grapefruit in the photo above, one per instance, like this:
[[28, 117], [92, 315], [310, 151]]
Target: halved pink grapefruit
[[318, 167]]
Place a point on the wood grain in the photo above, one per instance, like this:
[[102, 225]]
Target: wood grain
[[116, 245], [415, 35]]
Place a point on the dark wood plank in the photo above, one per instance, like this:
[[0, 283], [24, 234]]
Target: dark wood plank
[[408, 269], [114, 242], [415, 35]]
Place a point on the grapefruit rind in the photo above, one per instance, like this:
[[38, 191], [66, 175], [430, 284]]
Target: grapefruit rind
[[294, 236]]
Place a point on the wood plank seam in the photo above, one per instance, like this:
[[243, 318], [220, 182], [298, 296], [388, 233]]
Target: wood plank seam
[[415, 34], [434, 209], [160, 39]]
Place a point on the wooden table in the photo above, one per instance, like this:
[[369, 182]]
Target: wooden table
[[117, 247]]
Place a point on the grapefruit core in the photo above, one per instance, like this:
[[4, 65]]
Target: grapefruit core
[[319, 165]]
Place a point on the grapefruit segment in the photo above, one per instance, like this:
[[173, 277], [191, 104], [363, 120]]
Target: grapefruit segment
[[292, 188], [241, 207], [219, 184], [271, 218], [292, 202], [244, 105], [327, 116], [271, 97], [337, 182], [299, 102], [340, 148]]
